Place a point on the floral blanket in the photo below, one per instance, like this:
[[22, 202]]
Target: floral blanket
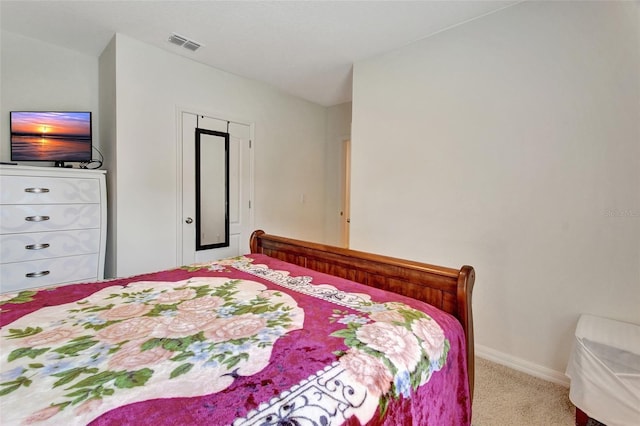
[[243, 341]]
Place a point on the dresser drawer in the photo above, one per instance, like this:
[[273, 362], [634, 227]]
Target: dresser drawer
[[48, 217], [21, 275], [48, 190], [44, 245]]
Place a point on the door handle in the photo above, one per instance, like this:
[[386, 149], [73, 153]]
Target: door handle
[[189, 220]]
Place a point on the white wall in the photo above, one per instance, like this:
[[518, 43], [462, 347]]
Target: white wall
[[135, 91], [511, 143], [37, 76], [149, 85]]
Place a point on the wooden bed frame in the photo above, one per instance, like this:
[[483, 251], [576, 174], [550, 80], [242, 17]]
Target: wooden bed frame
[[445, 288]]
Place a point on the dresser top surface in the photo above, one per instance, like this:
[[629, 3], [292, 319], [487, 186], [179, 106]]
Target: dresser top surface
[[6, 169]]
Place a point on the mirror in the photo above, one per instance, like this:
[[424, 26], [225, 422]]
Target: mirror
[[212, 189]]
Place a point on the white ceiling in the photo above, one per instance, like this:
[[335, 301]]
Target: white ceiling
[[305, 48]]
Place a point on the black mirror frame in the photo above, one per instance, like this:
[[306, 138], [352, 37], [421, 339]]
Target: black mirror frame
[[199, 245]]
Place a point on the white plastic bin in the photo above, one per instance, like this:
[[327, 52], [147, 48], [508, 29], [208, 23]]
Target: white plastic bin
[[604, 369]]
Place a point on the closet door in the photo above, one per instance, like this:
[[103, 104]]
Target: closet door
[[239, 188]]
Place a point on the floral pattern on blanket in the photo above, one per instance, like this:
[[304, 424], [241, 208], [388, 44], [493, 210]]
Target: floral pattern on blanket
[[20, 297], [146, 340], [153, 339], [393, 348]]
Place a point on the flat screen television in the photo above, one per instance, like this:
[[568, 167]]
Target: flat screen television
[[56, 136]]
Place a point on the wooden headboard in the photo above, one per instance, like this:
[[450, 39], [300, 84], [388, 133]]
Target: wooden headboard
[[445, 288]]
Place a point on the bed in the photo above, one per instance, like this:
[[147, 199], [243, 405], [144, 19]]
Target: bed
[[293, 333]]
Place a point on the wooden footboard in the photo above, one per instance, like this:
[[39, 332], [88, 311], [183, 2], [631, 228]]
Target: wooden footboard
[[445, 288]]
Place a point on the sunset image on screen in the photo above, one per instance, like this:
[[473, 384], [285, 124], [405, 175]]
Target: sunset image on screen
[[50, 136], [51, 123]]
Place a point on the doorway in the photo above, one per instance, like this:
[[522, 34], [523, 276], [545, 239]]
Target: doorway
[[240, 188]]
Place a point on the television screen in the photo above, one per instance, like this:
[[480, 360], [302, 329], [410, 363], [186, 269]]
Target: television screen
[[50, 136]]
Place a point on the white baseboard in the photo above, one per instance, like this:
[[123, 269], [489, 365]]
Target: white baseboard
[[522, 365]]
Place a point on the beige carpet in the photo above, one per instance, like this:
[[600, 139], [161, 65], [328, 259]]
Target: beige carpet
[[504, 396]]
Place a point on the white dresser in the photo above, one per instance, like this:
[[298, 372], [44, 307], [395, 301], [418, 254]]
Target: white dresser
[[52, 226]]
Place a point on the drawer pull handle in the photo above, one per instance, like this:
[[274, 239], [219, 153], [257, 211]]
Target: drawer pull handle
[[36, 218], [37, 274], [36, 246], [36, 190]]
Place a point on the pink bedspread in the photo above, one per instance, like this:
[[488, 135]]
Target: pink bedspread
[[244, 341]]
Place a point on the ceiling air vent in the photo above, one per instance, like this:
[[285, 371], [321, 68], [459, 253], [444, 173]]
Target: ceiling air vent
[[191, 45], [182, 41]]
